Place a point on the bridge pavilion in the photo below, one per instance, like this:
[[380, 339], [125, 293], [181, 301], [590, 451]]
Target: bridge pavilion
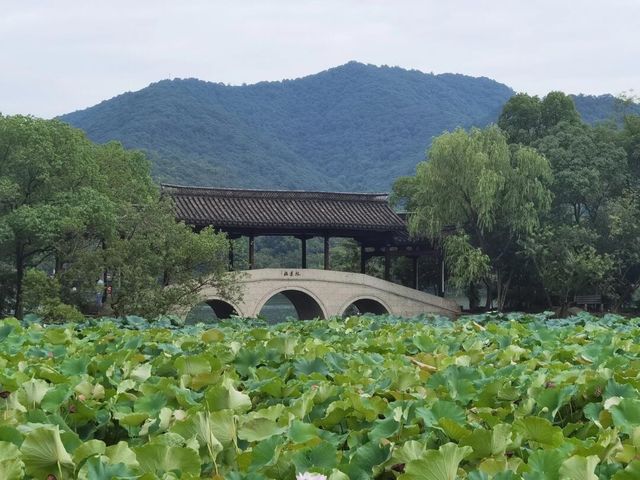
[[365, 217]]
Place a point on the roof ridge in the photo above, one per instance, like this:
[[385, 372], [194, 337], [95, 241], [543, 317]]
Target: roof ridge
[[265, 193]]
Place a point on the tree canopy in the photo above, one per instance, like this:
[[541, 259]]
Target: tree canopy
[[490, 193], [78, 212]]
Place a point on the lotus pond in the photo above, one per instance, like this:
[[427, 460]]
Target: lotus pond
[[512, 397]]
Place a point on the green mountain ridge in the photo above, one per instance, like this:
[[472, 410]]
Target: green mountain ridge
[[355, 127]]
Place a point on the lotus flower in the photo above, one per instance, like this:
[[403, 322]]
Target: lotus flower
[[310, 476]]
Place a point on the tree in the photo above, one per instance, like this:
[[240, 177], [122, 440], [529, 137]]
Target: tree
[[520, 119], [588, 167], [492, 194], [47, 192], [555, 108], [159, 265], [525, 118], [79, 211], [567, 262]]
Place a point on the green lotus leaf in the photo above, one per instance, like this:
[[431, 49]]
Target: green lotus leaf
[[337, 475], [323, 456], [11, 435], [580, 468], [626, 414], [44, 454], [384, 429], [131, 419], [553, 399], [226, 397], [34, 391], [446, 409], [205, 434], [480, 441], [366, 458], [74, 366], [161, 459], [5, 331], [632, 472], [411, 450], [453, 429], [539, 430], [308, 367], [88, 449], [11, 465], [150, 404], [544, 465], [141, 373], [300, 432], [12, 469], [623, 390], [267, 452], [192, 365], [121, 453], [441, 464], [57, 336], [257, 429], [97, 469], [54, 398], [212, 335]]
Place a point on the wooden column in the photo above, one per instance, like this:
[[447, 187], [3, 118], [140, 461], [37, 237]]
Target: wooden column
[[252, 252], [387, 263], [230, 254], [303, 242], [414, 261], [363, 260], [327, 259]]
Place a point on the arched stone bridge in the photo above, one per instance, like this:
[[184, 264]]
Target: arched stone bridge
[[327, 293]]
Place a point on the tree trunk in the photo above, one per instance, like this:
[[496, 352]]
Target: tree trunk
[[19, 307], [489, 300], [503, 290]]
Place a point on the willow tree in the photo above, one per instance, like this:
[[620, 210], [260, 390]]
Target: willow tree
[[492, 195]]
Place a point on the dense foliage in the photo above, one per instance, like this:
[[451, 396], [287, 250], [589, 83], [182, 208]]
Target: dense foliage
[[559, 219], [355, 127], [74, 214], [519, 397]]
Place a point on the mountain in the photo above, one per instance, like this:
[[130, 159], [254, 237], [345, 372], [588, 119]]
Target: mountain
[[355, 127]]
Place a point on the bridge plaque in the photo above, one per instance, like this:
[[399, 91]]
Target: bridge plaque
[[291, 273]]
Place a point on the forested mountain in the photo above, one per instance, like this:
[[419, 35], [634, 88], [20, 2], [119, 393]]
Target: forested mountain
[[354, 127]]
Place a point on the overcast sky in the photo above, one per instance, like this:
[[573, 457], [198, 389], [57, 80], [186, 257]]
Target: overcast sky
[[59, 56]]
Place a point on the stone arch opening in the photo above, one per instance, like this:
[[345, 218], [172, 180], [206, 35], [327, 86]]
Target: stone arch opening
[[222, 309], [365, 305], [210, 311], [291, 303]]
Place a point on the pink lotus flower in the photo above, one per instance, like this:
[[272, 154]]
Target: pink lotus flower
[[310, 476]]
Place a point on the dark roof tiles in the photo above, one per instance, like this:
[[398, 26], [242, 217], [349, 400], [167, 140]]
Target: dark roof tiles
[[287, 209]]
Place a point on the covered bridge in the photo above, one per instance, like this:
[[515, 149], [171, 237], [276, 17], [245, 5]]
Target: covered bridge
[[365, 217]]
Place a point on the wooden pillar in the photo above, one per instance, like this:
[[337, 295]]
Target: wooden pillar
[[230, 254], [387, 264], [363, 260], [414, 261], [252, 252], [303, 242], [327, 259]]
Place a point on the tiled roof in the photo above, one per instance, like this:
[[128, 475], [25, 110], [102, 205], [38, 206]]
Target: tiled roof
[[284, 209]]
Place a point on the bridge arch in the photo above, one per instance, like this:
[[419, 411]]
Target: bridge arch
[[307, 305], [217, 308], [222, 308], [365, 304]]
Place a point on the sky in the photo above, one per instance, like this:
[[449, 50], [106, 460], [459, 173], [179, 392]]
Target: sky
[[58, 56]]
